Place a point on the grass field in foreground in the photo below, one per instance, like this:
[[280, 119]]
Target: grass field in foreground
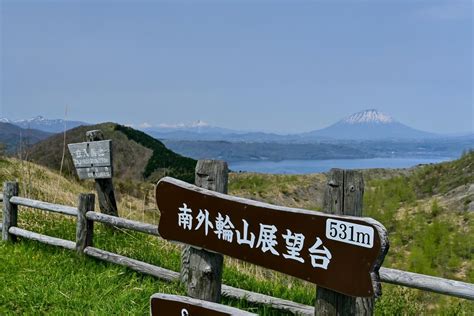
[[41, 279]]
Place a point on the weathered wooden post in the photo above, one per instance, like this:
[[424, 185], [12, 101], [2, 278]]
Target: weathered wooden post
[[201, 270], [85, 227], [10, 211], [343, 196], [104, 187]]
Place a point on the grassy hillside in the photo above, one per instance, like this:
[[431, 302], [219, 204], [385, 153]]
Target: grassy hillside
[[41, 279], [426, 236], [426, 211], [443, 177], [429, 233], [162, 161], [303, 191], [137, 156]]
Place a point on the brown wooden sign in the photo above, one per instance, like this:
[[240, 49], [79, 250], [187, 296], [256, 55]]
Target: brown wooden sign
[[174, 305], [93, 160], [341, 253]]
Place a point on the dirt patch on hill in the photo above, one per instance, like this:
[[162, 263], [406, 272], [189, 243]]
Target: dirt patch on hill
[[301, 191]]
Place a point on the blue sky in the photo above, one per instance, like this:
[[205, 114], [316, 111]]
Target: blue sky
[[282, 66]]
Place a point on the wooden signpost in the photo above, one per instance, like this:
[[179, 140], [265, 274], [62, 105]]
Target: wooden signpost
[[93, 160], [174, 305], [341, 253]]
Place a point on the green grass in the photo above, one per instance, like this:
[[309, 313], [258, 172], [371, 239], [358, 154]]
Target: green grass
[[425, 238], [41, 279], [440, 178], [397, 300], [38, 279], [44, 279]]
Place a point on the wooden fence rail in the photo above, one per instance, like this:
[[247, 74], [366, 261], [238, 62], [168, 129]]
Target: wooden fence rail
[[427, 283], [42, 238], [123, 223], [66, 210], [393, 276]]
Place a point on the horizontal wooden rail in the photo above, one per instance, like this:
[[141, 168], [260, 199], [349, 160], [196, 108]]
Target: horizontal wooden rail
[[42, 238], [123, 223], [428, 283], [133, 264], [171, 276], [45, 206], [277, 303]]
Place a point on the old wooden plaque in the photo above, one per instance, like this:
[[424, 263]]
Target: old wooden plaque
[[171, 305], [93, 160], [341, 253]]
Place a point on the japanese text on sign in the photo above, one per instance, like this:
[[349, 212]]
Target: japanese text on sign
[[224, 229], [341, 253], [93, 160]]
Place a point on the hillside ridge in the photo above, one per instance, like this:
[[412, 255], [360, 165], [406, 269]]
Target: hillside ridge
[[137, 156]]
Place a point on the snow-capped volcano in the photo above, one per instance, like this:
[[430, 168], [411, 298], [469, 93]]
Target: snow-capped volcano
[[369, 116], [369, 124]]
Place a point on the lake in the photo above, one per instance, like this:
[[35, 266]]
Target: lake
[[317, 166]]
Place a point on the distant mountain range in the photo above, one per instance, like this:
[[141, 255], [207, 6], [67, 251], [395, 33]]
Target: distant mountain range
[[365, 134], [369, 124], [43, 124], [365, 125]]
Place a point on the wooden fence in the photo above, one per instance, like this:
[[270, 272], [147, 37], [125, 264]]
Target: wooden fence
[[86, 216]]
